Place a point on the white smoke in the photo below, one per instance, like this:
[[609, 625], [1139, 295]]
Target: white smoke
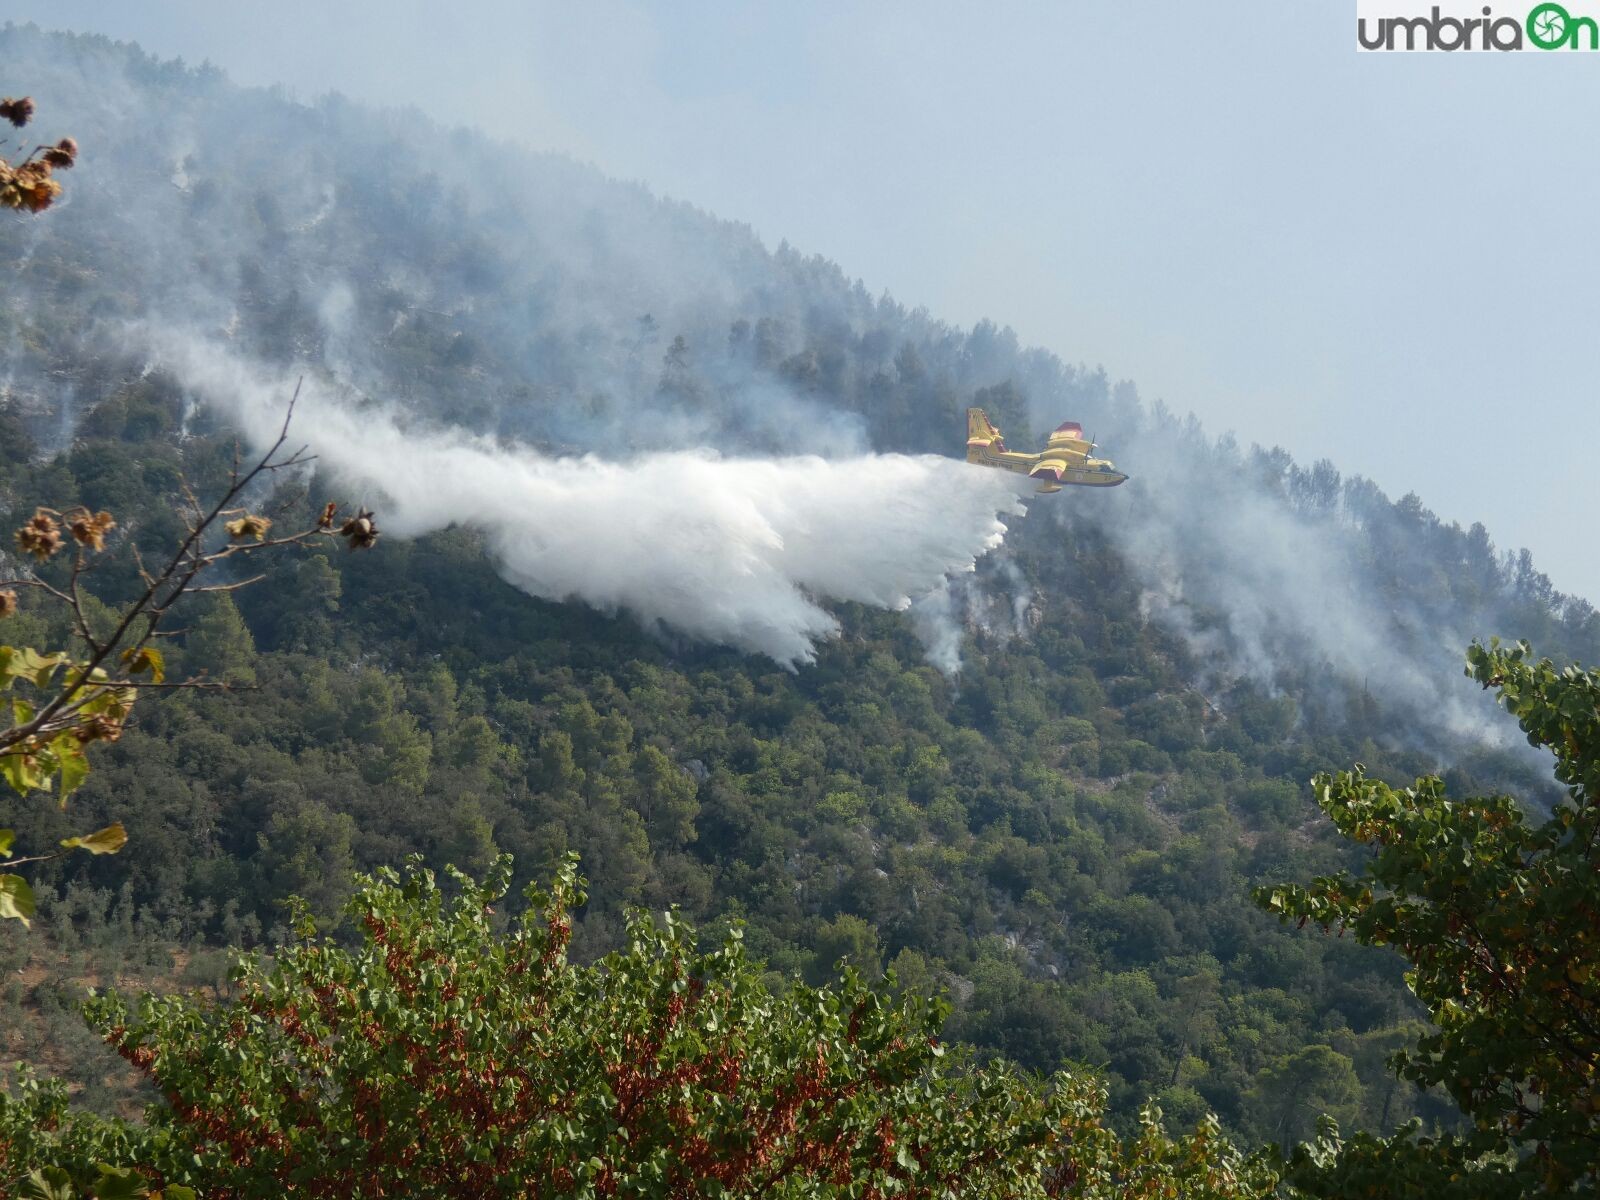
[[1254, 585], [938, 620], [739, 551], [997, 605]]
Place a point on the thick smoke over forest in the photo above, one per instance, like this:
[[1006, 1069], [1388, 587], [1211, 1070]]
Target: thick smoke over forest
[[499, 297], [1265, 570]]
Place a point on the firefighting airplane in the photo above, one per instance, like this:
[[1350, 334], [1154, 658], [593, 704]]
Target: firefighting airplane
[[1064, 460]]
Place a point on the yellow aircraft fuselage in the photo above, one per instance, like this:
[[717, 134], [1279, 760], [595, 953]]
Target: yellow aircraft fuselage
[[1065, 461]]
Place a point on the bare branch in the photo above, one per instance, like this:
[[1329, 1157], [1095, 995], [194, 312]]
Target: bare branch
[[205, 685], [36, 858], [79, 617], [179, 571], [225, 587]]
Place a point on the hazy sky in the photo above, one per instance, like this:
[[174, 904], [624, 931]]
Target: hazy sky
[[1388, 260]]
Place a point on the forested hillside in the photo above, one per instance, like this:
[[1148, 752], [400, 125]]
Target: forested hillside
[[1047, 790]]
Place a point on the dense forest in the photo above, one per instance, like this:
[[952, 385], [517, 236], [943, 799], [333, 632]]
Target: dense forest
[[1046, 792]]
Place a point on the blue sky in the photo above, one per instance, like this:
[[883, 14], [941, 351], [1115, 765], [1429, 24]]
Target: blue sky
[[1387, 260]]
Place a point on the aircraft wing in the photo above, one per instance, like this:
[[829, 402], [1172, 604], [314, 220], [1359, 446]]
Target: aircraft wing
[[1052, 468]]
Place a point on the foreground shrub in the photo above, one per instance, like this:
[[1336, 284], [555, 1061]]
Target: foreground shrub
[[440, 1057]]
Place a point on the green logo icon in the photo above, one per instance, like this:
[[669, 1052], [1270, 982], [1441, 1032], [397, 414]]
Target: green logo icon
[[1547, 26]]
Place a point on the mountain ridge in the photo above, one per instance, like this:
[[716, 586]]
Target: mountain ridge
[[1061, 834]]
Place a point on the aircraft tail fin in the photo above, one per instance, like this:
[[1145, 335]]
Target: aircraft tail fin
[[978, 427]]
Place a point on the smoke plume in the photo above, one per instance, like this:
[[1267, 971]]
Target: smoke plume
[[739, 551]]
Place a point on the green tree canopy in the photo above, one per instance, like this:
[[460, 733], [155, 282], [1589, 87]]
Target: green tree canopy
[[1498, 914]]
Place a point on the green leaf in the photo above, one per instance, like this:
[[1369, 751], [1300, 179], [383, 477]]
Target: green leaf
[[118, 1183], [16, 899], [146, 658], [47, 1183], [74, 764], [21, 711], [26, 663], [19, 772], [102, 841], [7, 837]]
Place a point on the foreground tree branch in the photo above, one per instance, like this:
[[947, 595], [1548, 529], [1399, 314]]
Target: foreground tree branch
[[86, 695], [26, 185]]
